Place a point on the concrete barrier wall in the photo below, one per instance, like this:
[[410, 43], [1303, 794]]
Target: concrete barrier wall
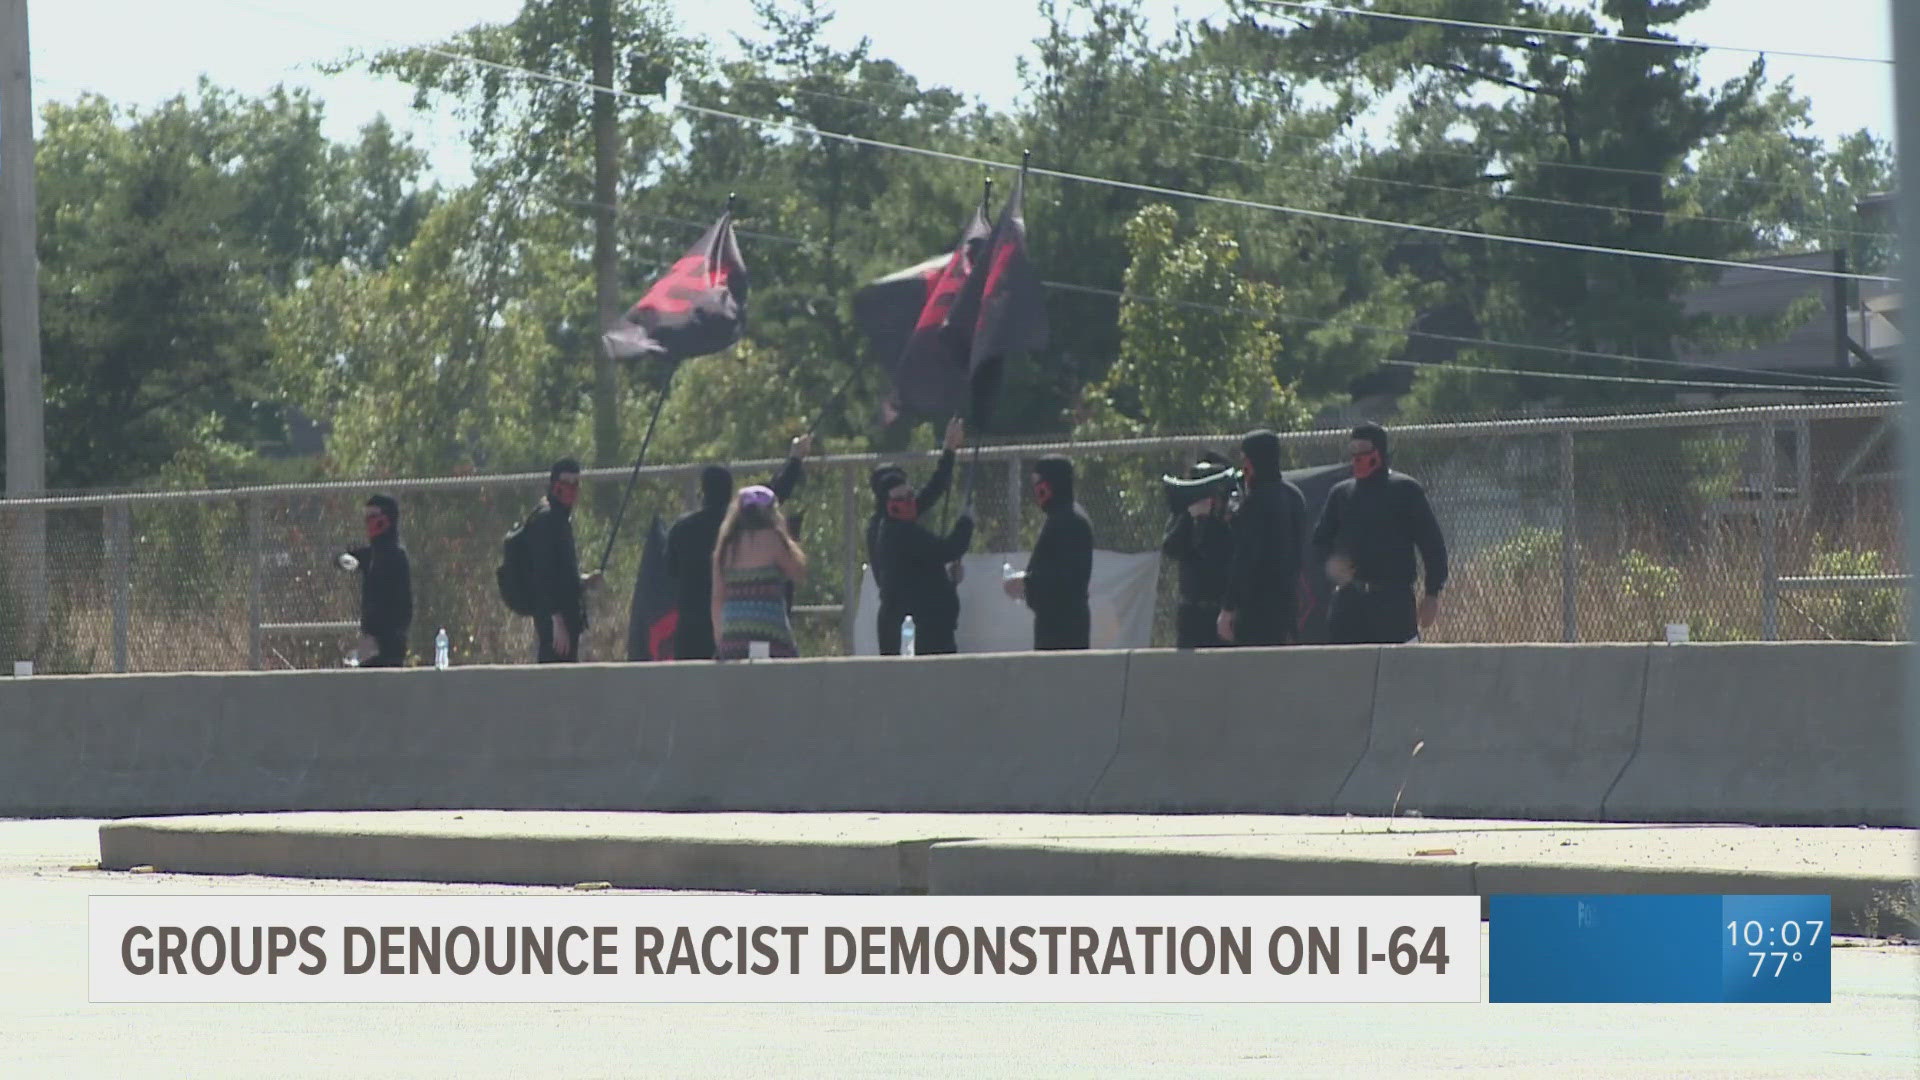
[[1549, 727], [1794, 733], [1761, 733]]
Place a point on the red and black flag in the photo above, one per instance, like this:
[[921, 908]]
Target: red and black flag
[[903, 316], [655, 614], [698, 307], [1001, 310]]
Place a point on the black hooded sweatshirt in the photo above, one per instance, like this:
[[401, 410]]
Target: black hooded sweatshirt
[[690, 544], [1379, 523], [386, 582], [556, 566], [909, 560], [1061, 566], [1269, 534]]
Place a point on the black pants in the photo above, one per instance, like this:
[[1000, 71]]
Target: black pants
[[1068, 628], [392, 650], [693, 638], [1273, 624], [1380, 616], [1197, 626], [931, 636], [543, 631]]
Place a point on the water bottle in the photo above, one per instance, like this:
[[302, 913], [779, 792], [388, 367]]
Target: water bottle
[[906, 636], [1008, 573], [440, 649]]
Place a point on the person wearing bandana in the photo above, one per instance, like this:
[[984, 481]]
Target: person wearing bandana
[[1200, 541], [690, 543], [559, 588], [1054, 585], [910, 562], [386, 587], [1269, 530], [1367, 537]]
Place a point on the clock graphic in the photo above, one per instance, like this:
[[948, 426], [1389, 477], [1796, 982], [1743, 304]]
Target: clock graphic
[[1660, 948]]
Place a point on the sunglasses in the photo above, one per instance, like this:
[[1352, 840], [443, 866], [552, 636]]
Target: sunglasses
[[567, 485]]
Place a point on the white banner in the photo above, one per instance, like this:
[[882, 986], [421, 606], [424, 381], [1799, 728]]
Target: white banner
[[1121, 596], [613, 947]]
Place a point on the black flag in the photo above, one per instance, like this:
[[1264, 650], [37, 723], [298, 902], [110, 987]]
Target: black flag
[[1001, 310], [655, 614], [698, 307], [930, 372]]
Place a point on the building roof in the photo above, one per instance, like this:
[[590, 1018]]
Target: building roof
[[1760, 293]]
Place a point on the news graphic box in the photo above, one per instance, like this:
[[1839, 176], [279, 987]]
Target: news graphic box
[[610, 947], [1660, 949]]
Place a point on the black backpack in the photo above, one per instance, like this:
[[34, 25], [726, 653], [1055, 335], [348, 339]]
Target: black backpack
[[515, 573]]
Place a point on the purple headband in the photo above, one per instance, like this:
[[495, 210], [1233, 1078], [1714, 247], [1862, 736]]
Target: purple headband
[[757, 495]]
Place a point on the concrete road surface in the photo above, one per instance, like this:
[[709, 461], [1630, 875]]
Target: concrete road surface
[[48, 1029]]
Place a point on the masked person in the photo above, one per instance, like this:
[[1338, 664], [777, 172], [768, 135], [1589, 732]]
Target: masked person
[[1055, 582], [386, 587], [1260, 606], [690, 544], [1367, 536], [559, 588], [1199, 541], [907, 557]]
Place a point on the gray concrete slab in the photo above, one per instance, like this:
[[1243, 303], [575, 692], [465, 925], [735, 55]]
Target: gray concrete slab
[[1869, 872], [48, 1031]]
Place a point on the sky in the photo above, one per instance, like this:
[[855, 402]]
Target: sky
[[154, 50]]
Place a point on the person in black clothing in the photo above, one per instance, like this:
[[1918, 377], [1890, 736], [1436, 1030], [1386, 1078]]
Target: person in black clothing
[[1201, 543], [386, 587], [1054, 584], [910, 562], [1269, 530], [559, 588], [1367, 536], [690, 543]]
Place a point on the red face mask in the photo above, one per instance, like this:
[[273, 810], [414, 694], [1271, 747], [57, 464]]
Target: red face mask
[[1365, 465], [566, 492], [907, 509], [1042, 492], [377, 526]]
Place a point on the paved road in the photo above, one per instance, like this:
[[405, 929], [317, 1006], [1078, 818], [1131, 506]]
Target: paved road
[[48, 1030]]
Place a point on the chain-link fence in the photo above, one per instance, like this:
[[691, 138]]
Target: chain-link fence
[[1588, 529]]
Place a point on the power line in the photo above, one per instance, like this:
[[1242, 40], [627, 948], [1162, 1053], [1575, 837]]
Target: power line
[[1505, 197], [1820, 383], [1324, 9], [1148, 189]]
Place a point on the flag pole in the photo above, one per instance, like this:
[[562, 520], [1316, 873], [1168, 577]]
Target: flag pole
[[973, 464], [634, 477]]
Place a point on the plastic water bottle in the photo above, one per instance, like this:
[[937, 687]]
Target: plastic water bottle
[[906, 636], [440, 649], [1008, 573]]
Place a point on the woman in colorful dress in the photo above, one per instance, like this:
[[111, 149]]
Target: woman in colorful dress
[[753, 559]]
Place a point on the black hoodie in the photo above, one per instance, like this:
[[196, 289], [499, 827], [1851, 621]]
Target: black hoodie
[[1061, 566], [690, 544], [386, 581], [1269, 533], [909, 560], [1379, 523]]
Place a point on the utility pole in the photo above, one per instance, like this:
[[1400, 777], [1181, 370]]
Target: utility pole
[[24, 533], [606, 254], [1906, 89]]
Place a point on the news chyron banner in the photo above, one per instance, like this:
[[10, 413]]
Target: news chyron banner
[[623, 947]]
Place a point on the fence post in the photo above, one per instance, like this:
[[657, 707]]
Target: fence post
[[850, 578], [1569, 546], [1015, 489], [119, 577], [255, 529], [1769, 556]]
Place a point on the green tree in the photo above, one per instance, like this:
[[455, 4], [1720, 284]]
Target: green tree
[[1190, 356]]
